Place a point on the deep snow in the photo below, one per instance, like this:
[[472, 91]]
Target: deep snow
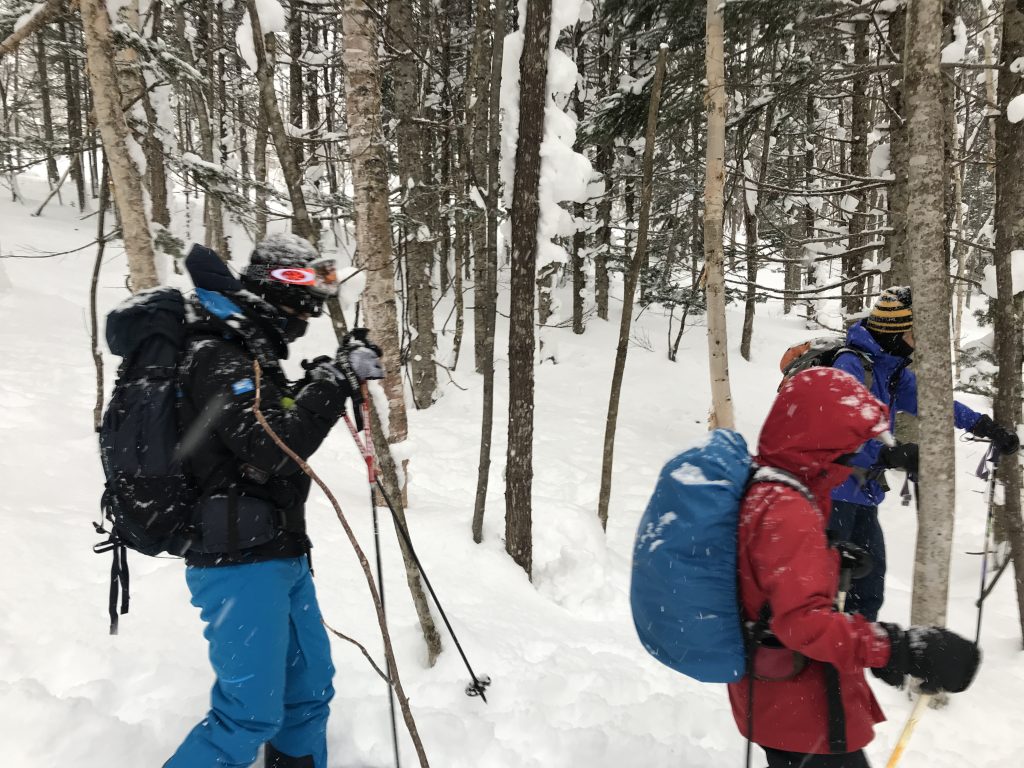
[[572, 686]]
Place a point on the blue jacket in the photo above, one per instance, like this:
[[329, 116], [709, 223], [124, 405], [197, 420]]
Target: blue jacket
[[895, 386]]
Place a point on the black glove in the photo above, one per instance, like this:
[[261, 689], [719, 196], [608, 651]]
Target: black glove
[[856, 560], [902, 456], [940, 659], [1004, 439]]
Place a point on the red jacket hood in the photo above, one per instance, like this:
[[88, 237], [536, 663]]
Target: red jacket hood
[[818, 415]]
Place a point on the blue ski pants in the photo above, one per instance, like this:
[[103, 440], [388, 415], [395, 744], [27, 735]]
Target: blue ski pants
[[858, 524], [272, 658]]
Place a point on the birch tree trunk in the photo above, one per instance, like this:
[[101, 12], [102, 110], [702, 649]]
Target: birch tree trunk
[[714, 206], [928, 272], [533, 72], [374, 254], [124, 174], [629, 289], [1008, 308]]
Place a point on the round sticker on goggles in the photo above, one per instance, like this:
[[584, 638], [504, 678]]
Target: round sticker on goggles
[[294, 275]]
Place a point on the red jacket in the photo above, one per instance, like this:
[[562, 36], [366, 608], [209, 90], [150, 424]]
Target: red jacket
[[785, 561]]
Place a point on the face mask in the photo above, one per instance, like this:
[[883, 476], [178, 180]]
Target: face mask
[[293, 328]]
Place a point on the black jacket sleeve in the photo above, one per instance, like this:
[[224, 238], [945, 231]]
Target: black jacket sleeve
[[220, 381]]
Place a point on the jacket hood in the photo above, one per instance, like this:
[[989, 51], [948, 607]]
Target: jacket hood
[[819, 415]]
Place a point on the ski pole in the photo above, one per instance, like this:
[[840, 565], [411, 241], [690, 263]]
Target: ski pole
[[993, 456], [371, 472], [908, 730], [478, 686]]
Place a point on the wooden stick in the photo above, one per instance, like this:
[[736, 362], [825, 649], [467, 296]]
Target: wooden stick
[[389, 652], [908, 730]]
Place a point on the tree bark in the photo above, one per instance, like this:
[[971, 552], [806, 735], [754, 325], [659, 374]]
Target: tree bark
[[490, 293], [374, 255], [899, 271], [42, 70], [533, 70], [714, 257], [402, 32], [302, 222], [629, 289], [114, 130], [1008, 308], [860, 118], [928, 272]]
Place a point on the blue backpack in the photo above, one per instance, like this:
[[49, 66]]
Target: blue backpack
[[684, 584]]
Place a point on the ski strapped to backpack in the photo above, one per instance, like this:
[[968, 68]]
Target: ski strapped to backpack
[[821, 351], [684, 594], [148, 498]]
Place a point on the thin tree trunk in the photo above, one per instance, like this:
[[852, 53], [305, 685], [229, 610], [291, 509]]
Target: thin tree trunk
[[373, 234], [418, 247], [714, 185], [629, 290], [42, 70], [259, 161], [533, 69], [489, 295], [899, 272], [302, 221], [97, 355], [860, 119], [925, 239], [1009, 309], [111, 121], [74, 117], [579, 238]]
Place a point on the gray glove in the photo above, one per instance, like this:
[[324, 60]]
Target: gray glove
[[366, 363], [360, 357]]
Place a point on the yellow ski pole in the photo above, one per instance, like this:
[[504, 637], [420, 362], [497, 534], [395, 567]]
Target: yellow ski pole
[[908, 729]]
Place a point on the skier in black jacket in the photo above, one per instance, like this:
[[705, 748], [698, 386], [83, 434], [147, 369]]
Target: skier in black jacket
[[248, 569]]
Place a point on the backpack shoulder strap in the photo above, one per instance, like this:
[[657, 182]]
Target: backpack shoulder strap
[[865, 359], [781, 476]]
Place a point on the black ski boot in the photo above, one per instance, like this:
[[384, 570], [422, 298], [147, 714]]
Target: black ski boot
[[275, 759]]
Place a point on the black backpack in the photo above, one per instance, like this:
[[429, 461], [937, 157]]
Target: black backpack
[[821, 351], [148, 498]]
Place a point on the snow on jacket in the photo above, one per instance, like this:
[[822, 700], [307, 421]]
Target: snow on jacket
[[231, 453], [785, 563], [894, 385]]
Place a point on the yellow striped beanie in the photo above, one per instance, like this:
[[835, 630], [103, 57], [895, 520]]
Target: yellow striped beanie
[[892, 312]]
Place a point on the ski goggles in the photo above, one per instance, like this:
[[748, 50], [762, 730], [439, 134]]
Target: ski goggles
[[319, 278]]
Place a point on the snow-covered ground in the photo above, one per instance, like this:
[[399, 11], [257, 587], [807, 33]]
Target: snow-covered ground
[[572, 685]]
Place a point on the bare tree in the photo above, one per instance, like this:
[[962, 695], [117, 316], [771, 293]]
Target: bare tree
[[714, 189], [485, 296], [928, 271], [302, 221], [533, 71], [629, 290]]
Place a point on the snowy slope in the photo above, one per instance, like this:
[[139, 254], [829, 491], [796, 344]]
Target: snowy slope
[[572, 686]]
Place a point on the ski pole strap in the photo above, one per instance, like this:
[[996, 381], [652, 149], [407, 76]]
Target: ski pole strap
[[370, 454], [991, 455]]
